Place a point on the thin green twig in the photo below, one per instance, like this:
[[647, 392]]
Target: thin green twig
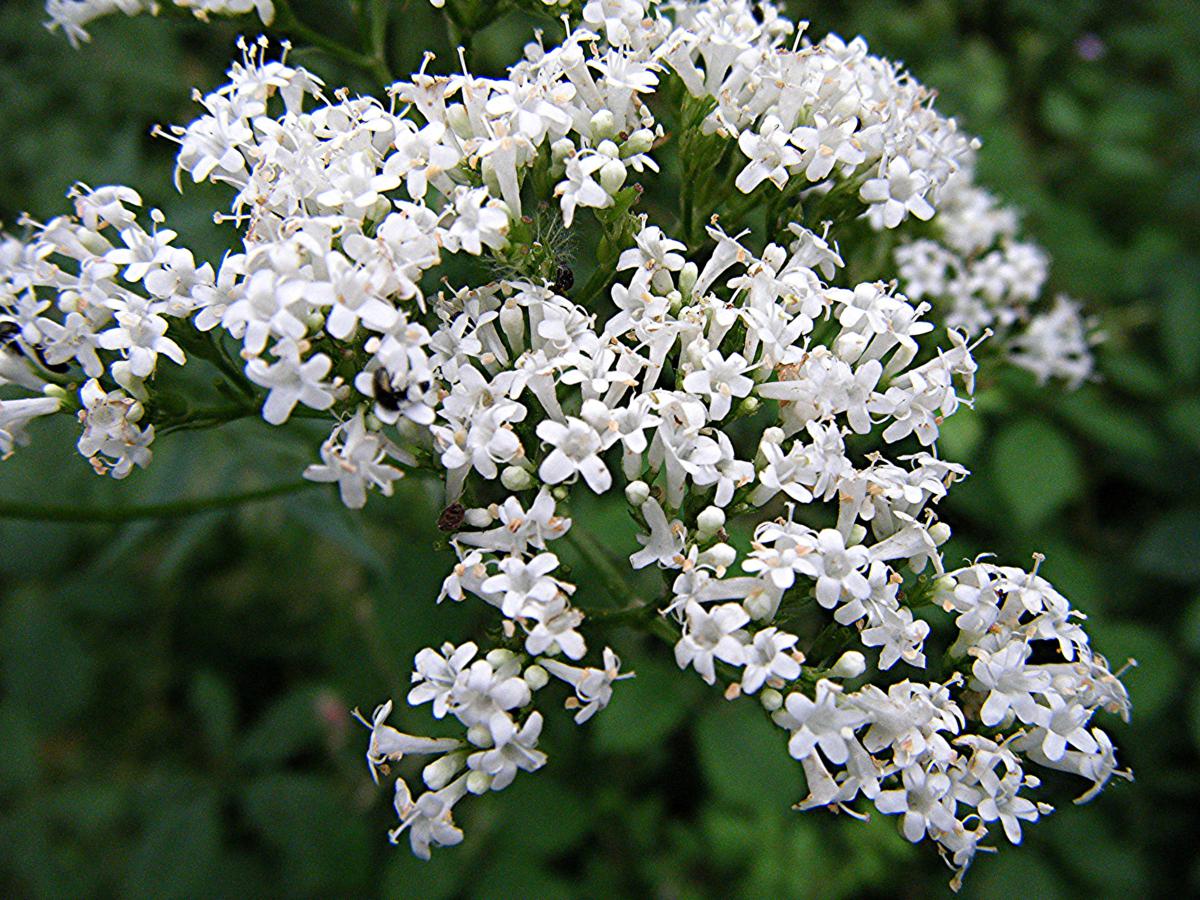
[[37, 512]]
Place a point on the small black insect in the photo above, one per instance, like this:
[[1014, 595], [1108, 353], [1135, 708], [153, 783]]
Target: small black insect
[[385, 393], [1044, 652], [452, 517], [564, 279], [9, 331]]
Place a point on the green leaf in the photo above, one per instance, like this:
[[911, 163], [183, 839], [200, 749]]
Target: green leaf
[[1036, 471], [961, 433], [177, 854], [1170, 548], [645, 709], [213, 702], [288, 726], [19, 761], [47, 669], [1180, 327], [744, 756], [1110, 426], [322, 837], [1183, 417]]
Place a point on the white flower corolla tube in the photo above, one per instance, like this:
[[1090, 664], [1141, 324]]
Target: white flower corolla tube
[[501, 284]]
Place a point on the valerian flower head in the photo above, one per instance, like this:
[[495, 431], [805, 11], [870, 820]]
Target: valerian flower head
[[417, 270]]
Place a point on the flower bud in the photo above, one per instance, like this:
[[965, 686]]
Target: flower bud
[[940, 532], [478, 518], [55, 390], [720, 555], [749, 406], [612, 176], [536, 677], [639, 142], [441, 772], [458, 120], [93, 241], [687, 277], [609, 149], [710, 521], [512, 321], [603, 125], [637, 493], [770, 699], [560, 150], [695, 351], [858, 533], [516, 479], [479, 782], [479, 735], [850, 664], [500, 657]]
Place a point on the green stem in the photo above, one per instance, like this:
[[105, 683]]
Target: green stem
[[628, 614], [12, 509], [212, 417], [378, 42], [287, 22], [614, 580]]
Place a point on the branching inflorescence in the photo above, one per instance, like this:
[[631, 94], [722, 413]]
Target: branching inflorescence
[[790, 271]]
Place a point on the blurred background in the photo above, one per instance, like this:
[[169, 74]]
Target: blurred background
[[174, 693]]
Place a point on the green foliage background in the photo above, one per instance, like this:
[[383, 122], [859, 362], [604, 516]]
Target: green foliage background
[[174, 693]]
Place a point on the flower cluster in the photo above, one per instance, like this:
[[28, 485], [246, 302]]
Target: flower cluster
[[986, 278], [73, 16], [407, 272]]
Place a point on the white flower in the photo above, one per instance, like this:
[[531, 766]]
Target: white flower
[[769, 153], [822, 722], [769, 657], [925, 801], [140, 334], [389, 745], [664, 544], [826, 145], [721, 379], [291, 380], [1009, 682], [477, 221], [593, 687], [709, 636], [515, 750], [837, 568], [428, 821], [900, 637], [577, 447], [896, 192], [521, 583], [16, 414], [580, 188], [354, 458], [110, 436]]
